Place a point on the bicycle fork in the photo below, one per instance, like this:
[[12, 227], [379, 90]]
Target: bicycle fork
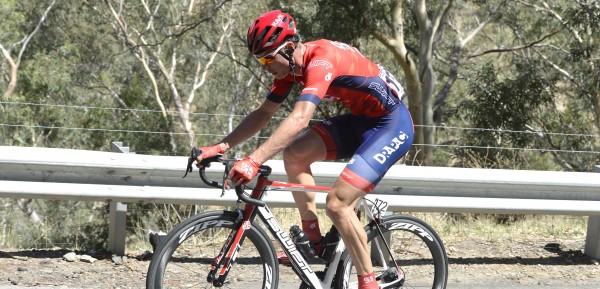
[[232, 246], [228, 254]]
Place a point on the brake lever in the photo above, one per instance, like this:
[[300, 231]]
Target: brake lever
[[228, 166], [196, 152], [224, 187]]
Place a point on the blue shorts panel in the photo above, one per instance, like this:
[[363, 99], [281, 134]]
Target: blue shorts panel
[[373, 144]]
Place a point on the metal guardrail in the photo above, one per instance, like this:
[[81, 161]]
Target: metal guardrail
[[121, 178]]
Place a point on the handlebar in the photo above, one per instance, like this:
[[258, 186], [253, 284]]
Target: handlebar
[[228, 163]]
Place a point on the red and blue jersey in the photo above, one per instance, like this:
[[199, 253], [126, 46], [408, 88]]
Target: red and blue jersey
[[339, 72]]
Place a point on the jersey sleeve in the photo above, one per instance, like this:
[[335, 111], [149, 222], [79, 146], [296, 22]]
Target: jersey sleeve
[[319, 73], [280, 90]]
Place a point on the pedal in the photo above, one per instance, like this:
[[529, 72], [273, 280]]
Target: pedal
[[392, 285], [392, 278], [155, 238]]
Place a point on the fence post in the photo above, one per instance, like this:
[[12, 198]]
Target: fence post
[[117, 216], [592, 241]]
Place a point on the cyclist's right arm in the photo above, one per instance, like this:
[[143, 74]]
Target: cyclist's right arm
[[249, 126]]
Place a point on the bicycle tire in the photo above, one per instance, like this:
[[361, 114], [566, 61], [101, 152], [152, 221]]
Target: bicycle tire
[[417, 249], [183, 258]]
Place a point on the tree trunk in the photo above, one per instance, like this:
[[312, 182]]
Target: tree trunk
[[13, 74], [14, 65]]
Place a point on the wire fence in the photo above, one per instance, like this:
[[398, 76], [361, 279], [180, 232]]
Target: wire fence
[[142, 219], [84, 108]]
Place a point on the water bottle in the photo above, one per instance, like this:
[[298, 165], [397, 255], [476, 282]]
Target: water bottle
[[303, 244], [330, 242]]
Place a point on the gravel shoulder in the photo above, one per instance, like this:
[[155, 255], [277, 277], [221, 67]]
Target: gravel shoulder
[[480, 264]]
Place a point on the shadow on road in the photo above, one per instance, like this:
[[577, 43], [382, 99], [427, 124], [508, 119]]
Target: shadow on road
[[562, 257]]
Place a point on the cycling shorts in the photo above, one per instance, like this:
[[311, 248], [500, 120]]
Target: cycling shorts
[[373, 144]]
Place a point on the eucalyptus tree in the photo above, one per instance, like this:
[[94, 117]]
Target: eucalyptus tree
[[167, 40], [444, 48], [552, 44], [572, 57], [413, 32], [12, 20]]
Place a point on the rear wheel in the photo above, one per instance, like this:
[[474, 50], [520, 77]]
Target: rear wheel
[[184, 257], [417, 249]]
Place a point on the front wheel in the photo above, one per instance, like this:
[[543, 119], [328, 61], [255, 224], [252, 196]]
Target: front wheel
[[184, 257], [416, 247]]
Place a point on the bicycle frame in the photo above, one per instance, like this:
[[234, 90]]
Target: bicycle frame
[[228, 253]]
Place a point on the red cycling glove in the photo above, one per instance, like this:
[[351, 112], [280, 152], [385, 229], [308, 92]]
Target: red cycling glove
[[243, 171], [211, 151]]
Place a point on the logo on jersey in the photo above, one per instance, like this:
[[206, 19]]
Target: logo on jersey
[[387, 151], [382, 90], [328, 77], [332, 98], [319, 62], [310, 89], [345, 46], [379, 88]]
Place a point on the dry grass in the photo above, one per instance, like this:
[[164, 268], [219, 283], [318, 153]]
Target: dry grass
[[488, 227], [499, 228], [492, 228]]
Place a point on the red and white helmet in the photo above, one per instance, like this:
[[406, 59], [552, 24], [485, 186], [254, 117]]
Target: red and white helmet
[[269, 31]]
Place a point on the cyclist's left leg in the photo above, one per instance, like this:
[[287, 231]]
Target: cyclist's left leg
[[331, 139], [298, 157]]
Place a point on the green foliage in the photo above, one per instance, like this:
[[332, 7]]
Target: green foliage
[[343, 20], [499, 109], [81, 86]]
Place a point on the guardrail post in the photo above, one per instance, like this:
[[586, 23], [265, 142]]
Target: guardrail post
[[116, 228], [117, 147], [117, 216], [592, 241]]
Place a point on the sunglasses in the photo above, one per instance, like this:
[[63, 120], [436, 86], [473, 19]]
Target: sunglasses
[[269, 58]]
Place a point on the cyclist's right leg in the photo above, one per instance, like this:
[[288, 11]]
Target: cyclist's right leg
[[184, 258]]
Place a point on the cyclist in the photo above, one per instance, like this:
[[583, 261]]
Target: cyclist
[[376, 132]]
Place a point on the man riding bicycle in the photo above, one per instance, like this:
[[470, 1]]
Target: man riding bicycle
[[376, 133]]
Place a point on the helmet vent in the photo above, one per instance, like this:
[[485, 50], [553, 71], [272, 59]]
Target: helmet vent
[[274, 36], [261, 37]]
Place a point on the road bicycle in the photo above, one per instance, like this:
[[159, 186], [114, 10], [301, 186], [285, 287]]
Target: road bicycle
[[231, 249]]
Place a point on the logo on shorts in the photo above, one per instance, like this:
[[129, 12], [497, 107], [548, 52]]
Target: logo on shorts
[[387, 151]]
